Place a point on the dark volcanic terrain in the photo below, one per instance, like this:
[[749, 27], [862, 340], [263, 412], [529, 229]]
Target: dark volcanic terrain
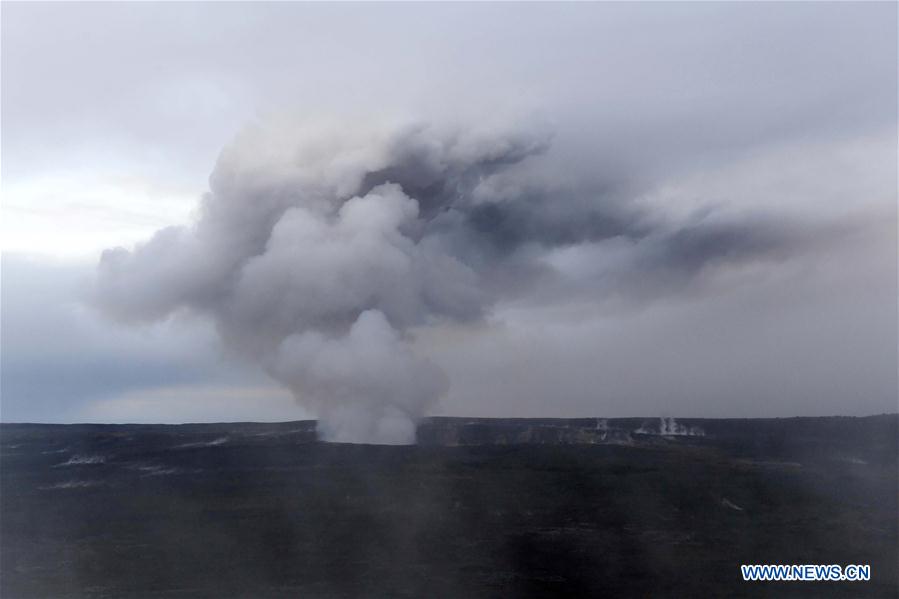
[[479, 508]]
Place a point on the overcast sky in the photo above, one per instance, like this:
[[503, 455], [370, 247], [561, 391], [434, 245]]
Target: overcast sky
[[114, 116]]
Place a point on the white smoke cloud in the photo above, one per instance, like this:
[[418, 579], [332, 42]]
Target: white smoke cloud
[[313, 260], [367, 386]]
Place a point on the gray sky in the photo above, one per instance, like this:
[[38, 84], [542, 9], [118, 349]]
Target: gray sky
[[781, 114]]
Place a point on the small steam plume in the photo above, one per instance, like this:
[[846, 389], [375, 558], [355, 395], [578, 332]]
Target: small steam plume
[[317, 249]]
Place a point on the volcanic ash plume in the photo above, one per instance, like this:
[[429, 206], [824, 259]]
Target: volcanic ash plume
[[313, 256], [319, 249]]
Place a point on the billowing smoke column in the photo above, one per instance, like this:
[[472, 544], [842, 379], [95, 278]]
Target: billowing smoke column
[[317, 249]]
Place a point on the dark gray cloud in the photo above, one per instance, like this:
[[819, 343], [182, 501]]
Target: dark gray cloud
[[812, 335]]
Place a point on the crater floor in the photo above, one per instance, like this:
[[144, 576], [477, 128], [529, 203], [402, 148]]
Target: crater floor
[[479, 508]]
